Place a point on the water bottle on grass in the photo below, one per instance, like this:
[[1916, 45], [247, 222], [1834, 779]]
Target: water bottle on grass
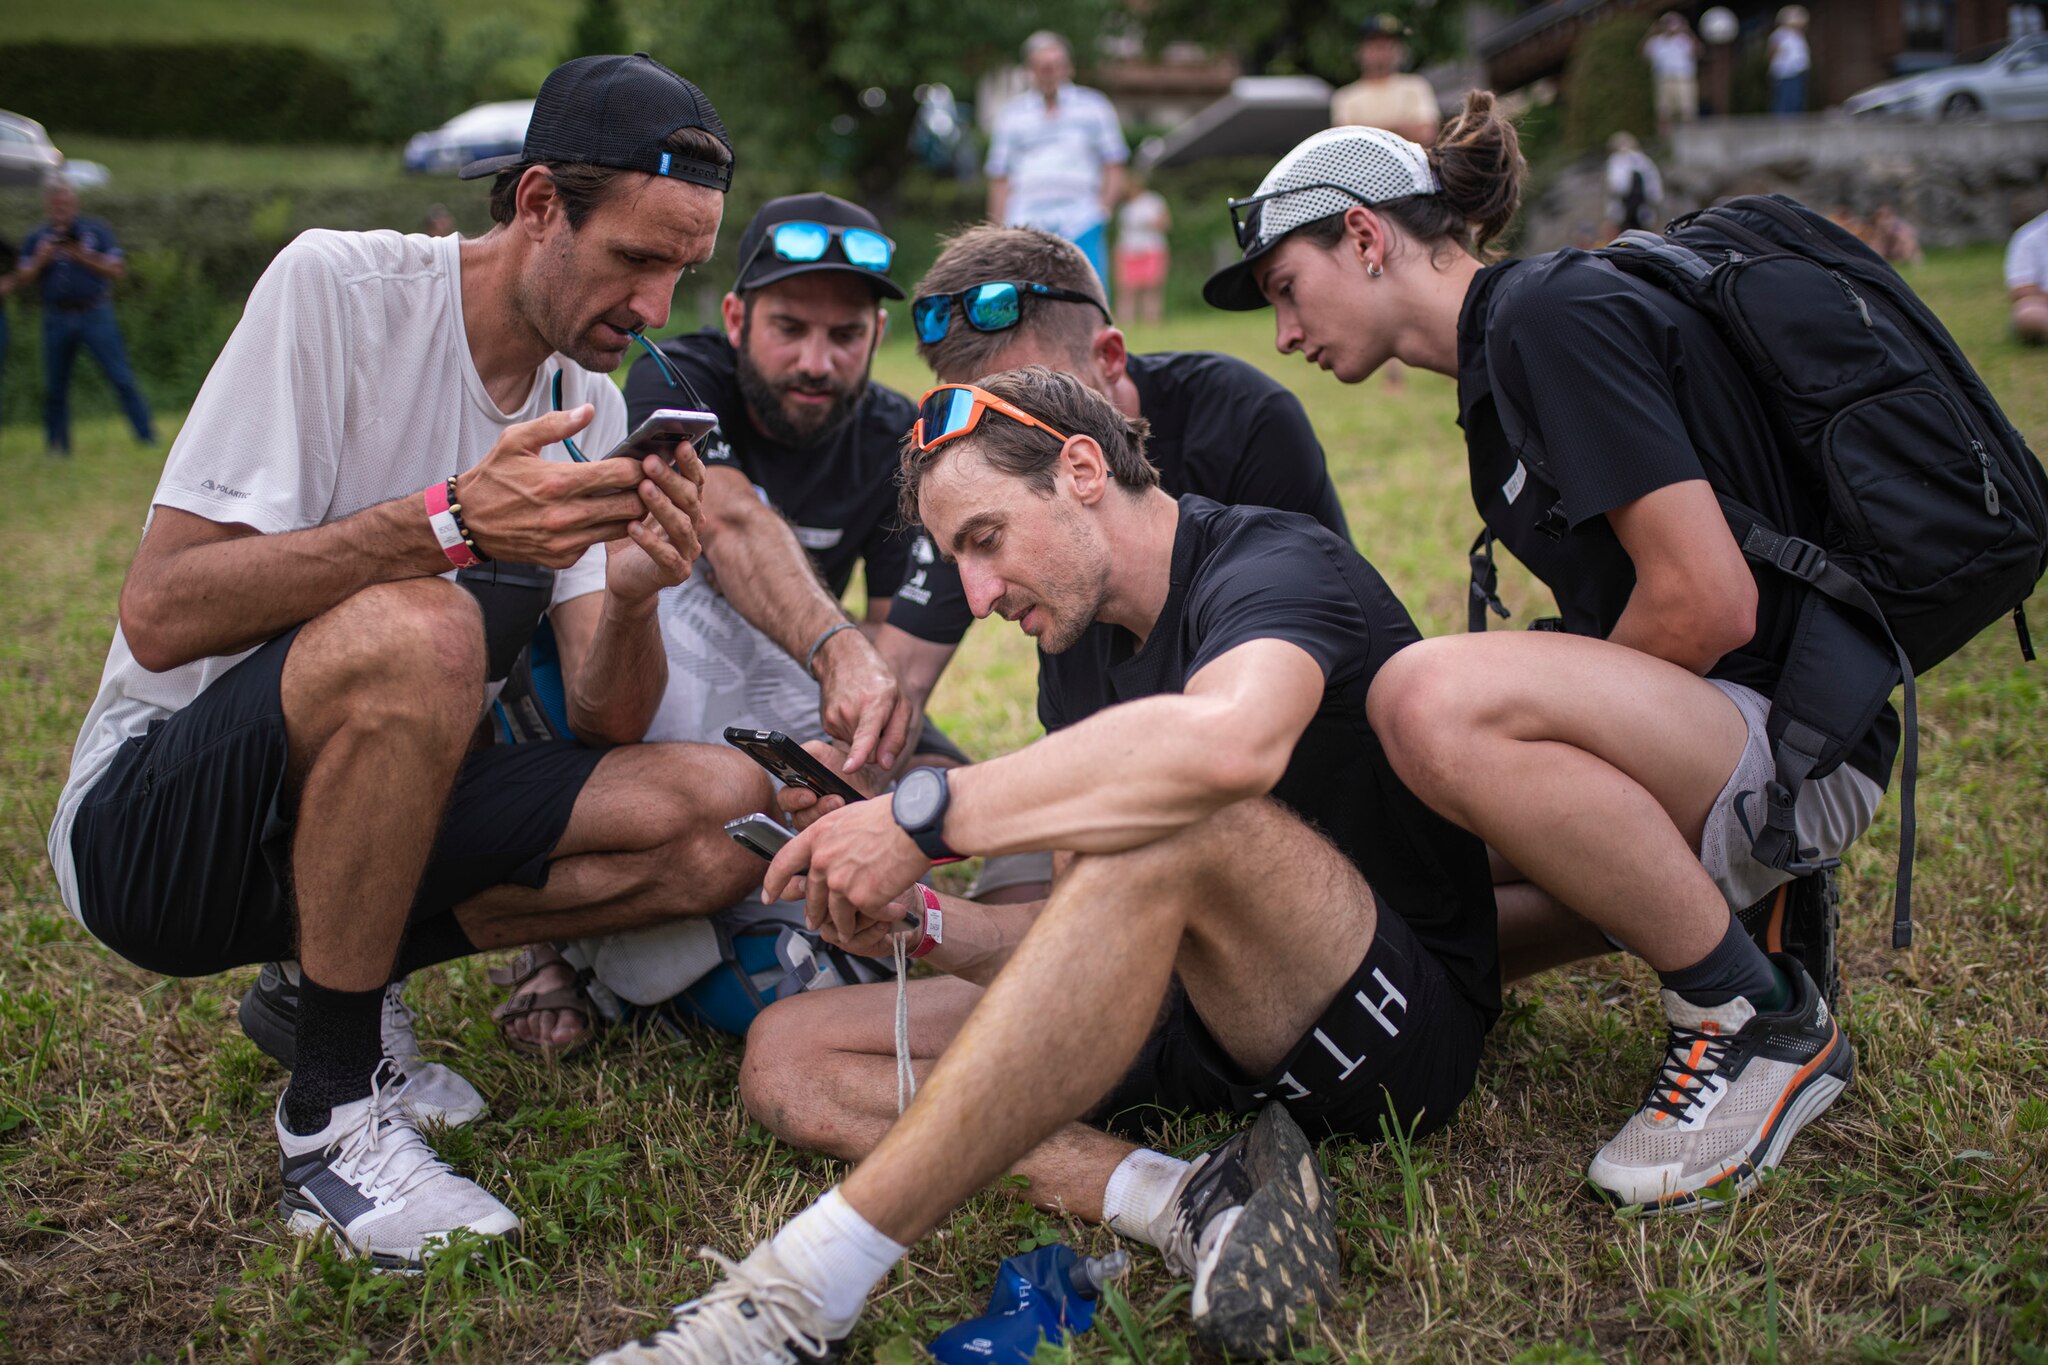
[[1044, 1293]]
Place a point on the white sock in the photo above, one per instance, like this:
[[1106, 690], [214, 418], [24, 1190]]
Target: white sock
[[836, 1254], [1140, 1189]]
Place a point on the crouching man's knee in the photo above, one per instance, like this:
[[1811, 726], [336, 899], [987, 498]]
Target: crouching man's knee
[[784, 1076]]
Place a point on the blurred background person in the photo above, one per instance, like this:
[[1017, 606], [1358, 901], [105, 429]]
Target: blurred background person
[[1790, 59], [1893, 238], [1056, 161], [1141, 257], [2026, 281], [1634, 189], [1384, 96], [74, 261], [1673, 51]]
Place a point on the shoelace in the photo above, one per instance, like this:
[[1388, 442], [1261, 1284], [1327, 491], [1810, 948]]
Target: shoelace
[[1217, 1177], [401, 1044], [736, 1336], [1690, 1057], [370, 1158]]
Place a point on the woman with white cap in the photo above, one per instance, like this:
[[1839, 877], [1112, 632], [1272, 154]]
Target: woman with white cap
[[1611, 762]]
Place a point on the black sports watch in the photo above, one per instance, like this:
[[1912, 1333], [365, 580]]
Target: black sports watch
[[919, 806]]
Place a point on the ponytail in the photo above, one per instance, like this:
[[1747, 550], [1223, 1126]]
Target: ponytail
[[1478, 160]]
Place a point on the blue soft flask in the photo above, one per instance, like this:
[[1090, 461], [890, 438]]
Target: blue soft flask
[[1045, 1293]]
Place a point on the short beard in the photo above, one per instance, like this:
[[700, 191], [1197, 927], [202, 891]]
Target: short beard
[[1082, 579], [545, 303], [764, 402]]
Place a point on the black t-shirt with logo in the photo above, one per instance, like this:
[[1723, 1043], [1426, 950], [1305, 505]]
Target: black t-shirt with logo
[[1581, 389], [839, 495], [1220, 428], [1251, 573]]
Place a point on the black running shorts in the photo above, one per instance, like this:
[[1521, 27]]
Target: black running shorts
[[1397, 1045], [183, 846]]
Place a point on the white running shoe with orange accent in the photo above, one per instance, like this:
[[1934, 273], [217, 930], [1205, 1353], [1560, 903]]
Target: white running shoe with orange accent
[[1734, 1089]]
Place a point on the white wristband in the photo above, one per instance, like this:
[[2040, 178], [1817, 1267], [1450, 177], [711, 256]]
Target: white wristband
[[934, 923]]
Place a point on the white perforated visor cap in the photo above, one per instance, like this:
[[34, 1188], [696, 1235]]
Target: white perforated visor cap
[[1329, 173]]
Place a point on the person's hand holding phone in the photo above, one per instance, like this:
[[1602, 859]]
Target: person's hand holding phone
[[521, 507], [848, 866], [801, 807], [658, 549]]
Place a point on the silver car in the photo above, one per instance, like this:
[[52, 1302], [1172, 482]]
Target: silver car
[[2009, 81], [26, 155]]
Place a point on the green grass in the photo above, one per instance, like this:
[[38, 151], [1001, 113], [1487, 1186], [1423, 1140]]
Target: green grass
[[335, 26], [138, 1184], [137, 166]]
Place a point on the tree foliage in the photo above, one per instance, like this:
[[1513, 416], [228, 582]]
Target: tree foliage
[[600, 28], [1305, 37], [783, 72], [417, 76], [1607, 85]]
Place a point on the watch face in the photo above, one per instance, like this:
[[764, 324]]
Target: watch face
[[917, 798]]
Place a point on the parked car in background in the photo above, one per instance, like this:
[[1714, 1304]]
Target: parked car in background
[[2005, 81], [26, 154], [487, 130]]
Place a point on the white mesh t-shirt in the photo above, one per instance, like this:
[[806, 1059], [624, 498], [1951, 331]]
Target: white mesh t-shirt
[[348, 382]]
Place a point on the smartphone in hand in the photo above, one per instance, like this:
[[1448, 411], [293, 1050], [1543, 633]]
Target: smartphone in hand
[[789, 763], [664, 431]]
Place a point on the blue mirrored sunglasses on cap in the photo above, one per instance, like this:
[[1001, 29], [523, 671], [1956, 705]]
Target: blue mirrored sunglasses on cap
[[803, 242], [995, 306]]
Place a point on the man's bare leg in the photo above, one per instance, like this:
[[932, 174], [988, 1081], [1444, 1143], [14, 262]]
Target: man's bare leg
[[645, 844], [820, 1073], [1537, 933], [380, 696]]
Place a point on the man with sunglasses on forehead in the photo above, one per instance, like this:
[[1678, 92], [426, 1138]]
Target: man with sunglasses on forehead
[[280, 763], [999, 298], [1255, 916]]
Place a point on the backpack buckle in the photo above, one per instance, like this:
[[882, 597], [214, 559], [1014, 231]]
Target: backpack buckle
[[1801, 558]]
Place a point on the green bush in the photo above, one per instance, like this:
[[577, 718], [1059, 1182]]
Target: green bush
[[224, 91], [417, 76], [1607, 85]]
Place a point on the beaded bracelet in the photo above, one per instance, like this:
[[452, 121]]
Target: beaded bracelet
[[455, 511]]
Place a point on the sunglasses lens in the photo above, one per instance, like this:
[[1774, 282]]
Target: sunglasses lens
[[993, 307], [868, 250], [945, 413], [930, 315], [801, 241]]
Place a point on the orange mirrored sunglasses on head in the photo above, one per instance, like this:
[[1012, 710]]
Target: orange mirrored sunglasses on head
[[952, 410]]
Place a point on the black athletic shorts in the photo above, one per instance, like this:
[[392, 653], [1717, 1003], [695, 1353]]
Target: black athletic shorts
[[183, 846], [1398, 1044]]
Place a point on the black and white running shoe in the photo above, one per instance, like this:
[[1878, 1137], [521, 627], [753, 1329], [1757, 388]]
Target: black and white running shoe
[[1254, 1225], [269, 1015], [1804, 918], [1736, 1086], [757, 1315], [370, 1179]]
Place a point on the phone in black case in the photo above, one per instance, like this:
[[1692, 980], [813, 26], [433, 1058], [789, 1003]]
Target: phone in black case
[[786, 760]]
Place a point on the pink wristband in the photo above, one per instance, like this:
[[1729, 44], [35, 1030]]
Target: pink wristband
[[447, 529], [934, 923]]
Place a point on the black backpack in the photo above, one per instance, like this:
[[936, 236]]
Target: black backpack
[[1936, 515]]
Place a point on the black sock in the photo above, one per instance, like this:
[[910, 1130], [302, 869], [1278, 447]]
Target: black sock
[[340, 1042], [1736, 966]]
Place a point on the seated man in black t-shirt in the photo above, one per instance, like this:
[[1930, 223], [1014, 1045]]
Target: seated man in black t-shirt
[[1256, 917], [1219, 427]]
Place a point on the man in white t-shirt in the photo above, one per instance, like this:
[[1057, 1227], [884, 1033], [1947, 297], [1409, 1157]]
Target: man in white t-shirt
[[1057, 158], [1384, 96], [1673, 51], [2026, 281], [279, 763]]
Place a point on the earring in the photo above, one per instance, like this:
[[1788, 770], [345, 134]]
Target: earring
[[1373, 271]]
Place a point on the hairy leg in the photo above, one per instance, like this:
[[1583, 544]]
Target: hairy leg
[[1589, 766], [820, 1073], [1250, 906], [380, 696], [645, 843]]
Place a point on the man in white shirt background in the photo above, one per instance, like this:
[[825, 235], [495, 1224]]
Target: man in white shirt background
[[1056, 160], [2026, 281], [1673, 51]]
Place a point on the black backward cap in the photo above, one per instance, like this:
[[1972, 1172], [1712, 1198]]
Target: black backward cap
[[616, 111]]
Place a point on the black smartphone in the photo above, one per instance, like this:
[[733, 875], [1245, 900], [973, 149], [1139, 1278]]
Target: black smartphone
[[759, 834], [786, 760], [664, 430]]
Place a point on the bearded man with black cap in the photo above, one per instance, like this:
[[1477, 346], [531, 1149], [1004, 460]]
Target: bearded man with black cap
[[279, 763]]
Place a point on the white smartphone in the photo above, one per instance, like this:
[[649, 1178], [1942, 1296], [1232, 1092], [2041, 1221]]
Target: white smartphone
[[664, 430], [759, 834]]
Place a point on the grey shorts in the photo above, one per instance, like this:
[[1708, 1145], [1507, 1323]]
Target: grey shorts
[[1832, 811]]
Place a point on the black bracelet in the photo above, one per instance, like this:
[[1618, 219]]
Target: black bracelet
[[455, 511]]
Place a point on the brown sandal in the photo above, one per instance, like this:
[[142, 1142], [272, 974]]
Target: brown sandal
[[573, 998]]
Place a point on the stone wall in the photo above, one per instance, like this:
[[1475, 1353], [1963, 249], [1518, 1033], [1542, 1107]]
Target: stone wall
[[1955, 182]]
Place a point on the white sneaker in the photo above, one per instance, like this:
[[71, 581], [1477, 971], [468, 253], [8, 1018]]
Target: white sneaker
[[434, 1093], [1734, 1089], [756, 1315], [370, 1179]]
